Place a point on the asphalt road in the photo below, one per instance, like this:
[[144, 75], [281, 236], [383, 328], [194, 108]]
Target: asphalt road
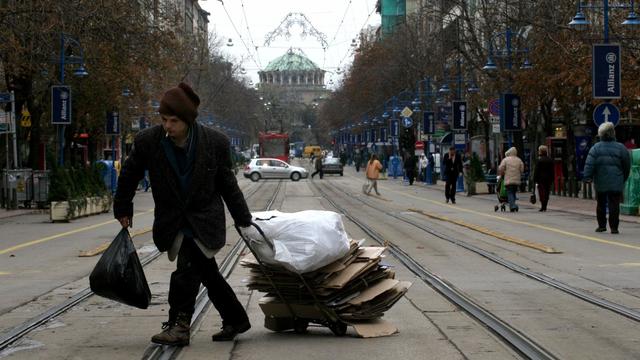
[[429, 327]]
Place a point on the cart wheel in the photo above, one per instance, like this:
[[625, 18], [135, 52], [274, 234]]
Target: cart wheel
[[300, 326], [338, 328]]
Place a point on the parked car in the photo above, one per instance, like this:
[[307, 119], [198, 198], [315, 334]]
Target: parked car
[[266, 168], [332, 165]]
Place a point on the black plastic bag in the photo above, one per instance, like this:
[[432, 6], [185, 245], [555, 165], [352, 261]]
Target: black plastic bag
[[118, 275]]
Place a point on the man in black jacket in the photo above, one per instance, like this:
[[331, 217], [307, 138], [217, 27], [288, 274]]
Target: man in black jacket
[[190, 172], [452, 169]]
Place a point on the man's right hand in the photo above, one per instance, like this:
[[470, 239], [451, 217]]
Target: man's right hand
[[125, 221]]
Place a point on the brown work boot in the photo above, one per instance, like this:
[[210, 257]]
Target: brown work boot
[[229, 332], [174, 332]]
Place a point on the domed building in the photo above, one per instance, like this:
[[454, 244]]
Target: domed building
[[295, 78]]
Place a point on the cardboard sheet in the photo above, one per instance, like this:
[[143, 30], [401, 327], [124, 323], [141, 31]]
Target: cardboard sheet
[[375, 328]]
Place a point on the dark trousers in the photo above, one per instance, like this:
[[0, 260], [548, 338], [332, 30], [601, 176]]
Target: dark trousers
[[316, 172], [411, 176], [543, 193], [450, 189], [610, 200], [193, 269]]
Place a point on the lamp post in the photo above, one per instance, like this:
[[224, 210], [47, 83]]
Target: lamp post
[[64, 96], [508, 53], [580, 22], [424, 92]]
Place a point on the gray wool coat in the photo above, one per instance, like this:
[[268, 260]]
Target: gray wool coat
[[212, 182]]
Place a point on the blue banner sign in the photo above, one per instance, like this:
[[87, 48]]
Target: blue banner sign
[[606, 71], [383, 134], [5, 97], [60, 105], [428, 122], [459, 115], [112, 126], [394, 128], [510, 112]]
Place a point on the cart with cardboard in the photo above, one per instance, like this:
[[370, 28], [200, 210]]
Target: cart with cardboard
[[304, 314], [354, 290]]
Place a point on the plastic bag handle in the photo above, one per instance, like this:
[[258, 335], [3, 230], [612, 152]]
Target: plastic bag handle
[[266, 240]]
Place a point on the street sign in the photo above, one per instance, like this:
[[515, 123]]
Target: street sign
[[60, 105], [460, 138], [406, 112], [25, 120], [510, 112], [606, 70], [112, 126], [428, 122], [5, 97], [606, 112], [407, 122], [459, 115], [494, 107]]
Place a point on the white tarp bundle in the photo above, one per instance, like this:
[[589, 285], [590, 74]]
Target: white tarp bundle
[[303, 241]]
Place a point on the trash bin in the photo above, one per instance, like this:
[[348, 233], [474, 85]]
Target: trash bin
[[18, 181], [41, 187], [632, 186]]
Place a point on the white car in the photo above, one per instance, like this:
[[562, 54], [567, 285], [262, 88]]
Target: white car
[[267, 168]]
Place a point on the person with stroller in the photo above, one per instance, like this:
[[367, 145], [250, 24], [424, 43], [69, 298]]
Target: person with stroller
[[511, 169], [543, 176]]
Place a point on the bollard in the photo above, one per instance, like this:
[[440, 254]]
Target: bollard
[[14, 199]]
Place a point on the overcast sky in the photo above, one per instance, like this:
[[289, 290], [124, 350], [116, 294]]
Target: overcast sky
[[261, 17]]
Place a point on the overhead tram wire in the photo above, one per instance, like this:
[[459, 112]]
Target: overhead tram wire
[[346, 10], [224, 7], [244, 13], [362, 27]]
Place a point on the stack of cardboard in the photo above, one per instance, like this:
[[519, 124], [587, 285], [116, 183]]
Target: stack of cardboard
[[356, 288]]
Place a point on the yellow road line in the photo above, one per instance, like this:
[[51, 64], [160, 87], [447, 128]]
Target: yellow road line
[[563, 232], [4, 273], [100, 249], [541, 247], [57, 236]]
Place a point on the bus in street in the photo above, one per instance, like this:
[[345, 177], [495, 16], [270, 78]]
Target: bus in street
[[274, 145]]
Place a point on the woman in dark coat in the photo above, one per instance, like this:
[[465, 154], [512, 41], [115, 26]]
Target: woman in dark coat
[[543, 176]]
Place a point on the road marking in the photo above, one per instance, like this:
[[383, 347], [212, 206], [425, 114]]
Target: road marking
[[563, 232], [541, 247], [100, 249], [4, 273], [57, 236], [623, 265]]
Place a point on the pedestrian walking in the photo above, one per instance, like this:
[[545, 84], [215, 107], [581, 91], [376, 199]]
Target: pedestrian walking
[[357, 160], [511, 168], [422, 168], [410, 168], [608, 166], [373, 173], [318, 166], [543, 176], [190, 168], [452, 164]]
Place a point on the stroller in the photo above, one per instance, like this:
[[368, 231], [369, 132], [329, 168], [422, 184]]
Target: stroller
[[502, 195]]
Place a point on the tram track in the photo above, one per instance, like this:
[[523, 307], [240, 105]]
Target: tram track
[[513, 337], [166, 352], [539, 277], [17, 332]]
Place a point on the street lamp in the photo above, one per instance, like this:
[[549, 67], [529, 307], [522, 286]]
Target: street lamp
[[508, 52], [580, 22], [67, 42]]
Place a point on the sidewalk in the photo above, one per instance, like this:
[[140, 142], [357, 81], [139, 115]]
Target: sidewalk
[[4, 213], [556, 203]]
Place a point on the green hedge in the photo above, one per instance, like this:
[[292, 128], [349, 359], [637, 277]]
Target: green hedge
[[75, 183]]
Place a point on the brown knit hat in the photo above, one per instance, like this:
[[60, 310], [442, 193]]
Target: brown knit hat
[[180, 101]]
